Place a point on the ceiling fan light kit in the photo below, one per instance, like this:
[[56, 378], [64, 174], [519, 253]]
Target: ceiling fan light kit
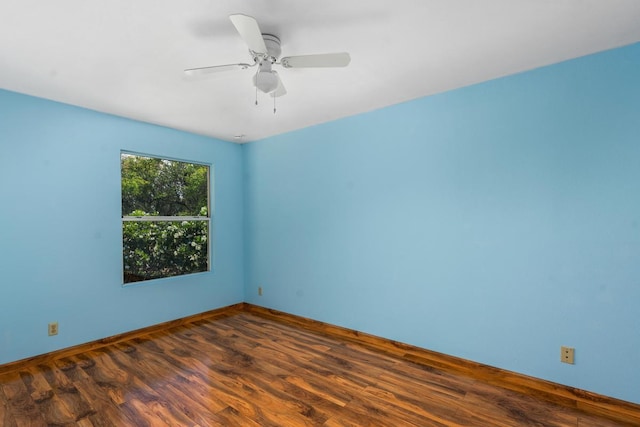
[[265, 51], [266, 80]]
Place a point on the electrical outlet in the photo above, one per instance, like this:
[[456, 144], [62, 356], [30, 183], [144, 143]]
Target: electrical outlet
[[260, 290], [567, 354], [53, 328]]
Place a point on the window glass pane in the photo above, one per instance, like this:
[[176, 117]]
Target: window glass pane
[[155, 249], [163, 187]]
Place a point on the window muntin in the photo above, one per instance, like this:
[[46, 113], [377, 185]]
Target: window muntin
[[165, 217]]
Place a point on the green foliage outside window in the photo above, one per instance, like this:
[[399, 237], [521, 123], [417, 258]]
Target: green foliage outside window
[[167, 189]]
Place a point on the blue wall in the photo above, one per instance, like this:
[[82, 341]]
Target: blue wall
[[496, 222], [60, 232]]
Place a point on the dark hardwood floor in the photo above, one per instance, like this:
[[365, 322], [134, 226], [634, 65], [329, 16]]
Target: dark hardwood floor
[[247, 370]]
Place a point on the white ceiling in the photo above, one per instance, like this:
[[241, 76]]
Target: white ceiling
[[126, 57]]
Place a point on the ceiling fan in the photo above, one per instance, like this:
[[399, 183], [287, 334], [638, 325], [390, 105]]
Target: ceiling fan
[[265, 52]]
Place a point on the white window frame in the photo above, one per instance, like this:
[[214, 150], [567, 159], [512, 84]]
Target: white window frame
[[151, 218]]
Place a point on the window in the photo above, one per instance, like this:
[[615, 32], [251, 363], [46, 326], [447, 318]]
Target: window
[[165, 217]]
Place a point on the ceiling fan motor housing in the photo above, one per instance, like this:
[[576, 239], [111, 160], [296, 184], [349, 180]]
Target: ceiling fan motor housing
[[273, 47]]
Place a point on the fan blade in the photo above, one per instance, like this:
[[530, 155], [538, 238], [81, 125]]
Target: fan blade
[[321, 60], [250, 32], [280, 90], [215, 69]]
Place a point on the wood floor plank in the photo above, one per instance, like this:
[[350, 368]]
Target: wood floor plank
[[256, 369], [66, 402], [506, 408], [194, 409], [372, 411], [600, 422], [224, 383], [233, 418], [49, 404], [248, 370], [107, 412], [6, 418], [186, 394], [21, 407]]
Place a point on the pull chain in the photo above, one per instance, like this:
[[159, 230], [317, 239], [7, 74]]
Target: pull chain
[[257, 75], [274, 105]]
